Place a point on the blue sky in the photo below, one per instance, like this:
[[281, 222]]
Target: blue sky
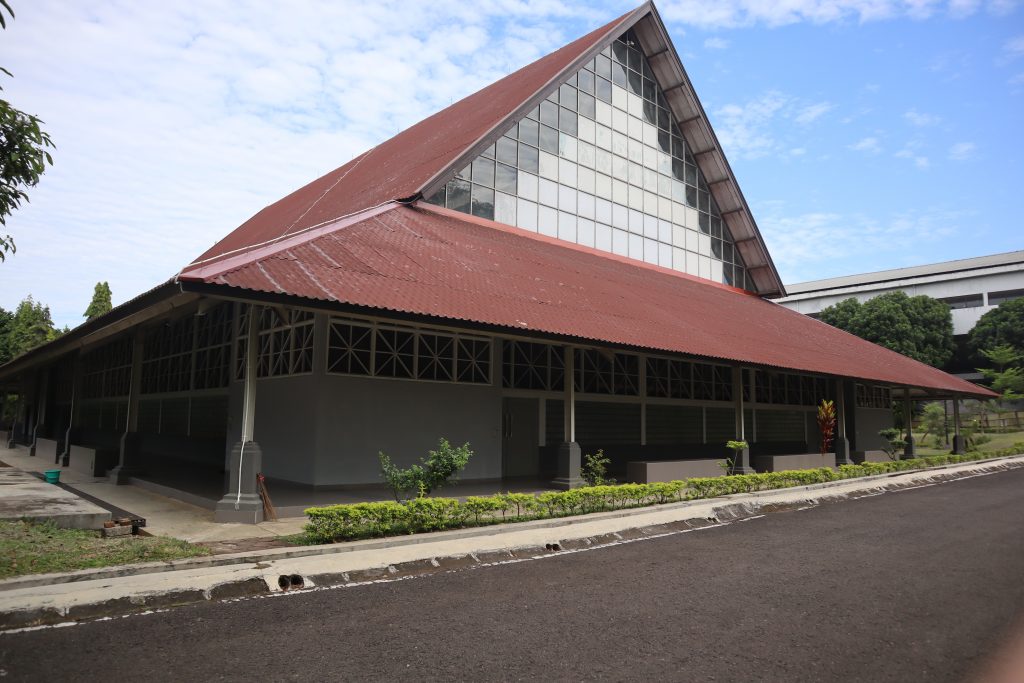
[[865, 134]]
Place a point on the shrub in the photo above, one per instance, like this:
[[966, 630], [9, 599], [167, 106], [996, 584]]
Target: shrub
[[439, 469], [893, 442], [595, 469], [365, 520]]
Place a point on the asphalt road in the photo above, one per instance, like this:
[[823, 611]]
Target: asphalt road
[[920, 585]]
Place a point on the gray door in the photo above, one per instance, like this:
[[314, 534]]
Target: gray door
[[520, 434]]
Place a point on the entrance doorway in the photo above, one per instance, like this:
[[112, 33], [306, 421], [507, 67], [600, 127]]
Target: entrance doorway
[[520, 436]]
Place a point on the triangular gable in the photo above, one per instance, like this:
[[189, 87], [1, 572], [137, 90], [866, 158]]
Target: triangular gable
[[601, 162], [702, 147]]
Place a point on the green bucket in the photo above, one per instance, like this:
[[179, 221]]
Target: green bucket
[[52, 476]]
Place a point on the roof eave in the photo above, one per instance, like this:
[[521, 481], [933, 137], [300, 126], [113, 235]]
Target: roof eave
[[143, 307], [707, 150]]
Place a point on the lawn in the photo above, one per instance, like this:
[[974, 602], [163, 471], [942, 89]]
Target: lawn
[[38, 548], [998, 442]]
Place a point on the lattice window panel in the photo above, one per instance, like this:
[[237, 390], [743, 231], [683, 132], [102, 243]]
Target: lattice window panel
[[473, 360], [532, 365], [435, 357]]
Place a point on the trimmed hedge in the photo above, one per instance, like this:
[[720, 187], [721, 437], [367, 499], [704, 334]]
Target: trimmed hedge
[[368, 520]]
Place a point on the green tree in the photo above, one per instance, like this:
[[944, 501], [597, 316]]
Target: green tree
[[842, 314], [100, 303], [30, 326], [1002, 326], [916, 326], [933, 420], [1007, 376], [6, 317], [23, 153]]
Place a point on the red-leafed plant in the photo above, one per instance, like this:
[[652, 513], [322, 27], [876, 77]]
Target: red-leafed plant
[[826, 424]]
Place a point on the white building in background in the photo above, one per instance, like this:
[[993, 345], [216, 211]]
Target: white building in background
[[971, 287]]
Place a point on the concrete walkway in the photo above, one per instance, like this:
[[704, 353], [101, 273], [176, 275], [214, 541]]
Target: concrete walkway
[[46, 599], [23, 495], [164, 516]]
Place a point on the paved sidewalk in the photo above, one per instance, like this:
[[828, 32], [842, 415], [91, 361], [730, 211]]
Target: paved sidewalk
[[164, 516], [23, 495], [43, 599]]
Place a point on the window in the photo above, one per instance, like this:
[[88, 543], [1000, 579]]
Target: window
[[532, 365], [106, 372], [869, 396], [967, 301], [365, 348], [284, 342], [996, 298]]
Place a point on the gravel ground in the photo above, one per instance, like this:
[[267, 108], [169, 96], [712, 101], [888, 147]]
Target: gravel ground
[[919, 585]]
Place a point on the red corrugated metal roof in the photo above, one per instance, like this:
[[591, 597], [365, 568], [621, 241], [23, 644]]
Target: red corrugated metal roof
[[430, 261], [401, 166]]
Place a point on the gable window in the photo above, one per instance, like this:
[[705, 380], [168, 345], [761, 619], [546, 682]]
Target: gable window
[[601, 162]]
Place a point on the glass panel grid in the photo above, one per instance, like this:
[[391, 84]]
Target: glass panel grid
[[641, 162]]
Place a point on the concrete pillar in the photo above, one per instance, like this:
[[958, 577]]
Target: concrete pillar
[[569, 456], [64, 457], [129, 459], [959, 442], [242, 502], [909, 451], [741, 458], [842, 444], [42, 398]]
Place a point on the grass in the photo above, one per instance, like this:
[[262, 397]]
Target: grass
[[998, 442], [42, 547]]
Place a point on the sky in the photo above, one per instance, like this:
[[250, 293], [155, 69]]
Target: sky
[[865, 134]]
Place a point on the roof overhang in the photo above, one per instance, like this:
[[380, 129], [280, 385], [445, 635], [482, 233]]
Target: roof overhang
[[156, 302]]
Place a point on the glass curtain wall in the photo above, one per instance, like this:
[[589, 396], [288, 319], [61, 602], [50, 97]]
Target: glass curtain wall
[[601, 162]]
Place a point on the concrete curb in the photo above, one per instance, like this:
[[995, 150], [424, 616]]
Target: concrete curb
[[54, 598]]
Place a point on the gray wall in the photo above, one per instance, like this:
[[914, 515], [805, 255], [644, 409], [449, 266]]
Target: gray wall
[[869, 421], [360, 416], [286, 426]]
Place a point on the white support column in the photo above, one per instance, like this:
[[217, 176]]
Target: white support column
[[909, 451], [242, 502], [841, 443], [959, 443], [741, 459], [569, 456]]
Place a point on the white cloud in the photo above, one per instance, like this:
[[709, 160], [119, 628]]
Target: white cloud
[[716, 43], [869, 145], [744, 130], [916, 118], [1013, 48], [175, 122], [762, 126], [710, 14], [813, 112], [962, 151], [804, 245], [910, 152]]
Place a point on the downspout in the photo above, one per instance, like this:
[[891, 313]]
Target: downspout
[[250, 352], [67, 434]]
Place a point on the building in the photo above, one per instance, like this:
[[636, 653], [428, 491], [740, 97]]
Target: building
[[576, 219], [971, 287]]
